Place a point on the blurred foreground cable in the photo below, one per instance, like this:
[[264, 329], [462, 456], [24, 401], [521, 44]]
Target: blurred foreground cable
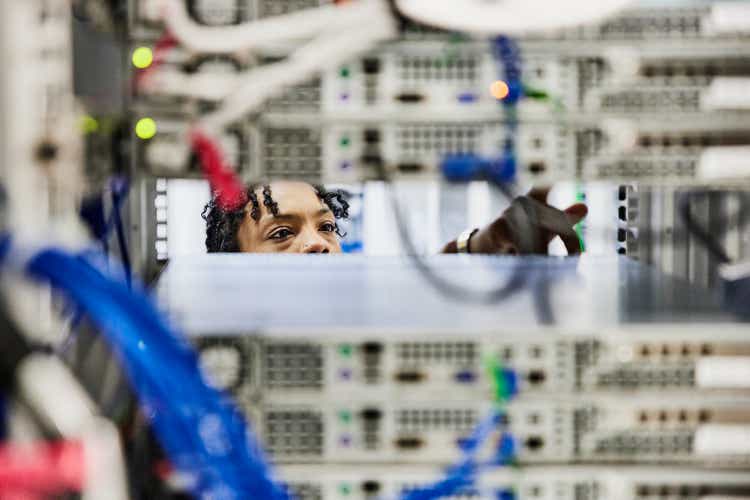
[[201, 430], [461, 478], [41, 470], [703, 235]]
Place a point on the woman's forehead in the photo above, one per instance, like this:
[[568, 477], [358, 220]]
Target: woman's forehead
[[292, 196]]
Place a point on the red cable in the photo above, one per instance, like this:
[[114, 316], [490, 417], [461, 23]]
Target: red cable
[[225, 184], [27, 470], [162, 46]]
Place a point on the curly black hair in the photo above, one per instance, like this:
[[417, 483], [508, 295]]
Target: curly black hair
[[223, 224]]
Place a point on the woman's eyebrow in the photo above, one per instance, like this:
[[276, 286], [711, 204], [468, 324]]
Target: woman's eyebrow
[[293, 217], [284, 217]]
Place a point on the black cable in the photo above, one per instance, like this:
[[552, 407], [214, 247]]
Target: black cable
[[543, 302], [704, 237], [15, 349], [117, 202], [446, 287]]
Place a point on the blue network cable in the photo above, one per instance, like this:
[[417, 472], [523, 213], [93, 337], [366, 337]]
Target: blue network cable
[[461, 476], [508, 55], [200, 428], [500, 170], [93, 213]]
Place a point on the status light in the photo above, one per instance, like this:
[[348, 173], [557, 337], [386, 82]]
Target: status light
[[499, 90], [145, 128], [142, 57], [89, 124]]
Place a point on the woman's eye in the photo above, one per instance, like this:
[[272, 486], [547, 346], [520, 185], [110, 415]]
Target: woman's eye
[[328, 227], [280, 234]]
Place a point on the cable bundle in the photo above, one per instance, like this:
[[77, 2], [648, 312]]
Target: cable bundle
[[201, 430]]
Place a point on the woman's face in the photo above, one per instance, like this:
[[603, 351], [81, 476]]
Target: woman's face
[[304, 224]]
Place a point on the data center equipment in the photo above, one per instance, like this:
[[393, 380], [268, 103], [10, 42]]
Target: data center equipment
[[635, 97], [647, 383], [133, 371], [595, 483], [654, 231], [650, 95]]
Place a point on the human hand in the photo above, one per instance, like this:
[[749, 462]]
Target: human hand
[[528, 226]]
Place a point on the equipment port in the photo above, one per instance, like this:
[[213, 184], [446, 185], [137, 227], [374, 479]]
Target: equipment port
[[534, 443], [410, 168], [536, 377], [370, 487], [371, 136], [537, 167], [409, 377], [372, 348], [371, 414], [409, 443], [409, 97]]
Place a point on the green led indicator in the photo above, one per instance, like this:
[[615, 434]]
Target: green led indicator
[[344, 142], [142, 57], [345, 488], [145, 128], [344, 72], [345, 350], [345, 416], [580, 197], [89, 124]]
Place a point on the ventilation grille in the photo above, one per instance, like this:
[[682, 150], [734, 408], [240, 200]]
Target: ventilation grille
[[454, 419], [647, 443], [268, 8], [305, 491], [300, 98], [695, 71], [651, 100], [684, 491], [685, 141], [294, 432], [651, 24], [287, 366], [647, 167], [291, 152], [459, 353], [417, 140], [419, 69], [633, 378]]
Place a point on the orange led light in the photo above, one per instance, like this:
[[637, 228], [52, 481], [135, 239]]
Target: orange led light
[[499, 90]]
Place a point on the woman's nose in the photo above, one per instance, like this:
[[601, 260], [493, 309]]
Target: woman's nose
[[316, 244]]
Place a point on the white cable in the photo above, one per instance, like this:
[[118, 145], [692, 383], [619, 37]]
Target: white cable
[[324, 52], [204, 86], [258, 34], [511, 17], [49, 387]]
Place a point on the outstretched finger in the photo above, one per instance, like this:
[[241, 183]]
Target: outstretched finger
[[576, 213], [539, 194], [571, 241]]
